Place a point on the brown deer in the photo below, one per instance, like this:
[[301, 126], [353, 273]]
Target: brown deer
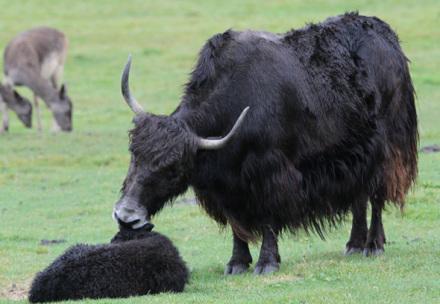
[[35, 59]]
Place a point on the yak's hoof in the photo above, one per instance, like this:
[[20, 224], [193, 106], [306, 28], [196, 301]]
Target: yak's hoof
[[373, 247], [266, 268], [352, 250], [373, 251], [236, 268]]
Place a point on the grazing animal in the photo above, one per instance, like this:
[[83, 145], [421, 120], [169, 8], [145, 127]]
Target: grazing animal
[[35, 59], [135, 263], [331, 124]]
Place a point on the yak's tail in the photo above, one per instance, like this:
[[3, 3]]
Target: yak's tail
[[400, 168]]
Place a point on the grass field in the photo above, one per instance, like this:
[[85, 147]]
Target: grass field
[[63, 186]]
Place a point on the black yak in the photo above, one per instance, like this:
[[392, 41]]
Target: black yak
[[331, 125], [135, 263]]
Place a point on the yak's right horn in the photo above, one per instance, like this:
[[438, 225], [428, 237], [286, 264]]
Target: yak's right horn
[[214, 144]]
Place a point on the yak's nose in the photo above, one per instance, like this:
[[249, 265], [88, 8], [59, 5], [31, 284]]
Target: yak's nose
[[125, 214], [130, 218]]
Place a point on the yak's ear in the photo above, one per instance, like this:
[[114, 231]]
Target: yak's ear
[[177, 150], [63, 91], [166, 157]]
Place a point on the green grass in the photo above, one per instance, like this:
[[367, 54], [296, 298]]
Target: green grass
[[63, 186]]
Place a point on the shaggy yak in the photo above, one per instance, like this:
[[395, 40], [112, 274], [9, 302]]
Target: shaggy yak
[[328, 123], [135, 263]]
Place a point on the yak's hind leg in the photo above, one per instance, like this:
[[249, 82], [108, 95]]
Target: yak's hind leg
[[241, 257], [376, 235], [359, 228], [269, 260]]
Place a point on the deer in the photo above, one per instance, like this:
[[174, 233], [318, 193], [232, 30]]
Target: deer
[[35, 59]]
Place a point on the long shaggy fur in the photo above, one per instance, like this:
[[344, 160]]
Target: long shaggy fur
[[332, 119], [135, 263]]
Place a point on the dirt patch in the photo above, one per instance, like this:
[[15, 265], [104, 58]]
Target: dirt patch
[[15, 291], [51, 242], [430, 149]]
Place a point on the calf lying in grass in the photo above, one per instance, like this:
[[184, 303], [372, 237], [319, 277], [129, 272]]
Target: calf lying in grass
[[136, 262]]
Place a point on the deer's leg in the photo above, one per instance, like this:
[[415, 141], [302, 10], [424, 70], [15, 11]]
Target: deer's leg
[[37, 111], [241, 257], [269, 260], [4, 127]]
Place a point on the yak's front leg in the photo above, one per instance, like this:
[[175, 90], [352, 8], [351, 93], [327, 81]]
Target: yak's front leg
[[359, 227], [241, 257], [269, 260]]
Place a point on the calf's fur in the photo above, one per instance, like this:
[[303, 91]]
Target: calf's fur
[[134, 263]]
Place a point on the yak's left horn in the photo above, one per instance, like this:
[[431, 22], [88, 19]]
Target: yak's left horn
[[214, 144], [125, 88]]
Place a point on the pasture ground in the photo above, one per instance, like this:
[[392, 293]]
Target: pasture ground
[[63, 186]]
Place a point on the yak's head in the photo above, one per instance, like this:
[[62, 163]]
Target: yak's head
[[162, 149], [19, 104]]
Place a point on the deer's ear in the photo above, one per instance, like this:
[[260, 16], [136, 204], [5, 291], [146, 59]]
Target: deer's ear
[[63, 91], [17, 96]]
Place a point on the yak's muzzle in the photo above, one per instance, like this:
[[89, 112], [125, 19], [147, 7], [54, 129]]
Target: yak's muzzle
[[130, 215]]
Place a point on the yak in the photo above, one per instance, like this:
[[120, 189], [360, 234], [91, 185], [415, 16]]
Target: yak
[[277, 132], [136, 262]]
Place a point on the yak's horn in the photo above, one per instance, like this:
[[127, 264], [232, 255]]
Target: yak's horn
[[125, 88], [213, 144]]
